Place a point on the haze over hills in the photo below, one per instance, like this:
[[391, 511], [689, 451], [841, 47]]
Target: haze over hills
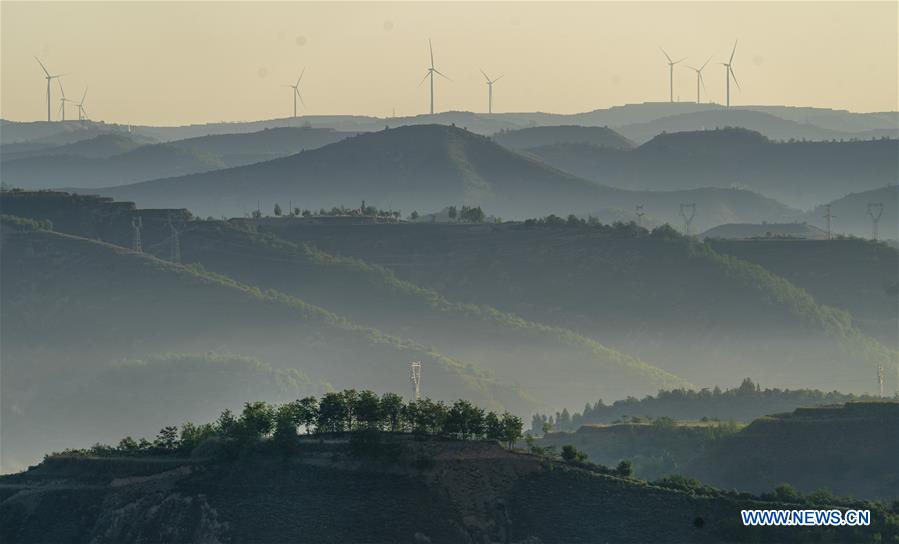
[[98, 147], [659, 297], [850, 213], [427, 168], [801, 174], [107, 303]]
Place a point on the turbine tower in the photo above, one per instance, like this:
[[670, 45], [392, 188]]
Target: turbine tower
[[62, 101], [490, 91], [80, 106], [699, 79], [430, 74], [671, 64], [875, 210], [688, 218], [49, 77], [296, 92], [729, 73]]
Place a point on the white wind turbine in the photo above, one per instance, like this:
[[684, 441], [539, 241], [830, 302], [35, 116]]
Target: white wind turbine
[[80, 106], [49, 77], [430, 74], [671, 64], [699, 78], [729, 73], [296, 92], [490, 91]]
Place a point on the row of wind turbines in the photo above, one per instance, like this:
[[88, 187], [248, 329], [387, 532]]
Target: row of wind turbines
[[431, 73], [82, 114], [728, 75]]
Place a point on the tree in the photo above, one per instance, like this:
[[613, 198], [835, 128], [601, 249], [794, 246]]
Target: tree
[[278, 210], [391, 407], [332, 413], [512, 428], [192, 435], [414, 215], [258, 418], [625, 468], [296, 212], [572, 454], [167, 439], [257, 214], [493, 427], [452, 212], [308, 407], [367, 410]]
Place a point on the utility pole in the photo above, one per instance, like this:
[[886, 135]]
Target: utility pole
[[175, 243], [136, 224], [688, 218], [828, 217], [875, 210], [880, 378], [640, 215], [415, 379]]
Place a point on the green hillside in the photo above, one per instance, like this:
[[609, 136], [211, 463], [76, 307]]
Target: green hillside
[[141, 163], [423, 168], [71, 305], [525, 138], [99, 147], [661, 297], [801, 174], [855, 275]]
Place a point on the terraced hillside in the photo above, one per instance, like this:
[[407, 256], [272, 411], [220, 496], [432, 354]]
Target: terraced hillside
[[462, 492], [849, 450]]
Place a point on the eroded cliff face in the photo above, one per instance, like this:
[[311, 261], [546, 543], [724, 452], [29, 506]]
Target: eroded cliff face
[[414, 491]]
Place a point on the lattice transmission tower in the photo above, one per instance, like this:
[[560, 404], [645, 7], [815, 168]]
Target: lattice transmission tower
[[136, 224], [415, 379], [875, 210], [688, 217], [828, 221]]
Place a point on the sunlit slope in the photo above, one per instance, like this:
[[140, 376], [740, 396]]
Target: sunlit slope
[[554, 364], [71, 303], [702, 315]]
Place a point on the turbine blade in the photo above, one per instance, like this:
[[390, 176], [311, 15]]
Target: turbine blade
[[83, 96], [681, 60], [441, 74], [701, 80], [299, 79], [733, 75], [42, 66], [301, 98], [497, 79], [485, 77], [431, 48], [666, 54], [704, 63], [426, 77], [732, 53]]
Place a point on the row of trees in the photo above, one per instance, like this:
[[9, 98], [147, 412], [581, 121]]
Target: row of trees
[[362, 211], [336, 412], [743, 403]]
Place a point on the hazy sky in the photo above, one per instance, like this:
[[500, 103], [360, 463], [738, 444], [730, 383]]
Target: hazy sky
[[167, 63]]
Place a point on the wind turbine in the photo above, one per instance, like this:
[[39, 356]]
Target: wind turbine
[[490, 91], [431, 71], [729, 72], [49, 77], [80, 106], [62, 101], [699, 78], [296, 92], [671, 64]]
